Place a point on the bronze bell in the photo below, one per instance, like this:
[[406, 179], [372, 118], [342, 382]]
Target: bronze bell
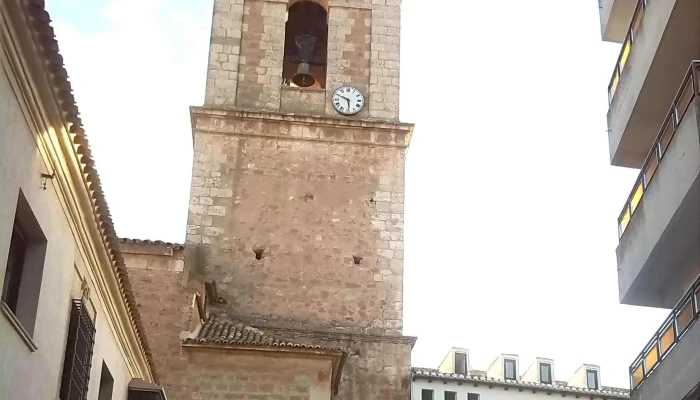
[[304, 77]]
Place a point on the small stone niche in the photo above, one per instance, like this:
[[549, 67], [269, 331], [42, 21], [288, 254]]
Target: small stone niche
[[259, 253]]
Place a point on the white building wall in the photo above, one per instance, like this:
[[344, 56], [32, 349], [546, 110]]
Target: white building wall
[[27, 375], [495, 393]]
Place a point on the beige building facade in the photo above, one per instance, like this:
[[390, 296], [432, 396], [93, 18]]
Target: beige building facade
[[69, 326]]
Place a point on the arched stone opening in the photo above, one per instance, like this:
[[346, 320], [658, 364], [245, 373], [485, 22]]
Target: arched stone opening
[[305, 44]]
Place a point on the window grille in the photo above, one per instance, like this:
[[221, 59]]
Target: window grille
[[78, 358]]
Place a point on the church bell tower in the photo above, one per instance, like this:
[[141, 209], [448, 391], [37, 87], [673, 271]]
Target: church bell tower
[[297, 198]]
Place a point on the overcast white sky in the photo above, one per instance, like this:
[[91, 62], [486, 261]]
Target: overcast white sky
[[511, 203]]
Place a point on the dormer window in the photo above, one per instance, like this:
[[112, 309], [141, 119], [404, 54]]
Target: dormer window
[[546, 373], [592, 379], [510, 370], [461, 363]]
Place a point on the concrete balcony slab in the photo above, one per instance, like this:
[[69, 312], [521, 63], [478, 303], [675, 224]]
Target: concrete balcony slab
[[665, 39], [615, 16], [659, 251]]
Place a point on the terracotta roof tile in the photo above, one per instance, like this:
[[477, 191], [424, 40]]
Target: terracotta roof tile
[[40, 25], [222, 332], [176, 246], [605, 392]]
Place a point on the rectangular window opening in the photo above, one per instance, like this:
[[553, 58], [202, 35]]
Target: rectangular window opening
[[592, 379], [510, 369], [460, 363], [25, 267], [426, 394], [546, 373], [450, 395], [472, 396]]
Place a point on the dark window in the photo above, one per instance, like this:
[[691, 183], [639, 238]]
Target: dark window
[[472, 396], [460, 363], [15, 265], [25, 267], [305, 44], [78, 358], [510, 369], [450, 395], [545, 373], [426, 394], [142, 390], [592, 378], [106, 384]]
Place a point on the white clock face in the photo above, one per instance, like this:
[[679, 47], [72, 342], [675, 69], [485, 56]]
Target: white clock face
[[348, 100]]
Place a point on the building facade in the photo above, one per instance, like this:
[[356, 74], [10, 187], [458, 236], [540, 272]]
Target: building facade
[[69, 326], [454, 379], [291, 278], [653, 126]]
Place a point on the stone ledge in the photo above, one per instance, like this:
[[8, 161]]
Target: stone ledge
[[213, 119], [19, 328]]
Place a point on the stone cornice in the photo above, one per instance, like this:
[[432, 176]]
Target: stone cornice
[[218, 118]]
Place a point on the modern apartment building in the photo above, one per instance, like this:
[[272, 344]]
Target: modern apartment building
[[454, 379], [69, 325], [653, 126]]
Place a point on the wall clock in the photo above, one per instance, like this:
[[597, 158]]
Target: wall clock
[[348, 100]]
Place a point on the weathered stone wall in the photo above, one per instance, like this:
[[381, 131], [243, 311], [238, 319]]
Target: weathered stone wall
[[376, 367], [312, 195], [349, 53], [224, 52], [246, 51], [384, 63], [262, 51], [303, 101], [164, 304], [224, 374]]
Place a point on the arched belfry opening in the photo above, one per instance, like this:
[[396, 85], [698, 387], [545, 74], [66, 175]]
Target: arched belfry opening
[[305, 45]]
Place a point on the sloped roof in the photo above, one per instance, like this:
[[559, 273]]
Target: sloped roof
[[215, 331], [480, 377], [223, 332], [176, 246], [40, 24]]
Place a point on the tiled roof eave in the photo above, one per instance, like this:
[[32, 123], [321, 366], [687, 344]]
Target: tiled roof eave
[[40, 23], [176, 246], [283, 348], [435, 375], [215, 331]]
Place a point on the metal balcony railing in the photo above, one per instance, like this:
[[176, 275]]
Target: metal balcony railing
[[683, 99], [671, 332], [635, 26]]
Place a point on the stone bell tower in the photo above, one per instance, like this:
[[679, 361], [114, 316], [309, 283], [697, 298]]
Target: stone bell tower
[[296, 205]]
